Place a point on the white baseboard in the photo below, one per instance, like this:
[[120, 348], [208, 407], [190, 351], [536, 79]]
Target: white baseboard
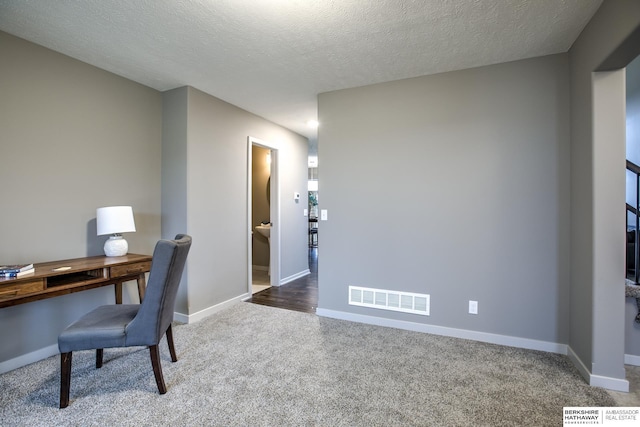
[[511, 341], [195, 317], [631, 359], [615, 384], [26, 359], [580, 366], [610, 383], [294, 277]]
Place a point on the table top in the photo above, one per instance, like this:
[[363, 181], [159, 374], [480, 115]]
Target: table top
[[55, 268]]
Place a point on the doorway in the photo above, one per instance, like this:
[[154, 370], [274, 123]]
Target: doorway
[[632, 327], [263, 212], [300, 294], [312, 187]]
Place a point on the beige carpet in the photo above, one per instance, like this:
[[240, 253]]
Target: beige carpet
[[253, 365]]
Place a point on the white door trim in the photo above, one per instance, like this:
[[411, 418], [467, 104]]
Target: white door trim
[[274, 247]]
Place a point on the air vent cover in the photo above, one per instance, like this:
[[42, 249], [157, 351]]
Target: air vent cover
[[407, 302]]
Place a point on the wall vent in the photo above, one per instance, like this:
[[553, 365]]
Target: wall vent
[[406, 302]]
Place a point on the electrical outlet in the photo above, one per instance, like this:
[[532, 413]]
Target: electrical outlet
[[473, 307]]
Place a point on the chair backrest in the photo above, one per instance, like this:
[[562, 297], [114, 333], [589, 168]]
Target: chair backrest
[[156, 311]]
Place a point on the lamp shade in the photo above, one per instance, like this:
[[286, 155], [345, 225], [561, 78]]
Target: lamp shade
[[115, 220]]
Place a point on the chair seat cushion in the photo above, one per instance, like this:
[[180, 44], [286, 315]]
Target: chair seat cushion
[[103, 327]]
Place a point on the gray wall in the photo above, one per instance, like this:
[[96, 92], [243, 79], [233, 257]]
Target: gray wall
[[597, 189], [215, 185], [174, 175], [72, 138], [455, 185]]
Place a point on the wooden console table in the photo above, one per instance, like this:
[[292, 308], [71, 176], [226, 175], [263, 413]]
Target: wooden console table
[[52, 279]]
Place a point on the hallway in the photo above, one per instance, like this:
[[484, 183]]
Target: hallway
[[299, 295]]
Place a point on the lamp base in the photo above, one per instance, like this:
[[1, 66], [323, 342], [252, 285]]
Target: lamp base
[[116, 246]]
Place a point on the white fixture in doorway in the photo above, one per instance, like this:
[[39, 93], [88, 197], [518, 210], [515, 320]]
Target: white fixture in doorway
[[265, 230], [274, 228]]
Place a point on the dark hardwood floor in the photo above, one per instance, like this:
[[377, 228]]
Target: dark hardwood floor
[[299, 295]]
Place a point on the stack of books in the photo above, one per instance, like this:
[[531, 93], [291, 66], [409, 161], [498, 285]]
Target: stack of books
[[16, 270]]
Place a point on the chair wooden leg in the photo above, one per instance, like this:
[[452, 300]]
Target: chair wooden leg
[[65, 378], [157, 369], [172, 348], [99, 354]]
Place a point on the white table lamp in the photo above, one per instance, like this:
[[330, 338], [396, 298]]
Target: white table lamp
[[115, 220]]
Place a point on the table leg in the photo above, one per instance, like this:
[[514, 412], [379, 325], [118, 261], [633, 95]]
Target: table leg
[[142, 285], [118, 292]]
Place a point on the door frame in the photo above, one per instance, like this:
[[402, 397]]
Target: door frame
[[274, 211]]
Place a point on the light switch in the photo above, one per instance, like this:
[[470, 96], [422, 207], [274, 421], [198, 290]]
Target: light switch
[[305, 212], [323, 215]]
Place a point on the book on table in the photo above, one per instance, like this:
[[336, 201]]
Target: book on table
[[18, 274], [7, 270]]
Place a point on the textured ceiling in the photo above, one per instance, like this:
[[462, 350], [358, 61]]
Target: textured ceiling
[[273, 57]]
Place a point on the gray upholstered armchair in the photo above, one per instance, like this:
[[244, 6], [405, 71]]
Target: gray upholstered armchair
[[127, 325]]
